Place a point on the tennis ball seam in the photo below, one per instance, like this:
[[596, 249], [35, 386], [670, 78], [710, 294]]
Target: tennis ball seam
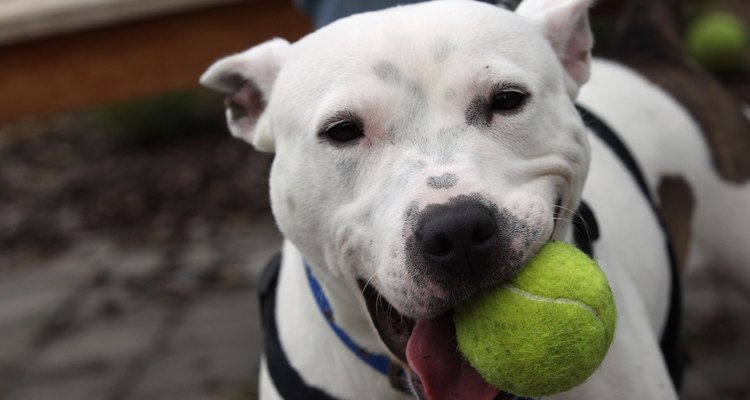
[[558, 300]]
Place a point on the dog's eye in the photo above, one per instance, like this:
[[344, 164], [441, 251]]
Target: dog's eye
[[510, 100], [343, 132]]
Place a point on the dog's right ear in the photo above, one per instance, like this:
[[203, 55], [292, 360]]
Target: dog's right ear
[[565, 24], [247, 79]]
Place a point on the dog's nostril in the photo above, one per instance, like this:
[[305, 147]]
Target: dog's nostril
[[482, 233], [440, 246]]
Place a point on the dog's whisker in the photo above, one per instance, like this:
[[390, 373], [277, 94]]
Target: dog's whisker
[[574, 213], [368, 282]]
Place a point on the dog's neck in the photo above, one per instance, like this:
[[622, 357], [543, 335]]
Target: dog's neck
[[315, 351]]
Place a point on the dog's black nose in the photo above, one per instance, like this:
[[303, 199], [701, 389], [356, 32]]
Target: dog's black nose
[[458, 237]]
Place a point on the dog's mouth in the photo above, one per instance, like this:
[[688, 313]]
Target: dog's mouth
[[428, 350]]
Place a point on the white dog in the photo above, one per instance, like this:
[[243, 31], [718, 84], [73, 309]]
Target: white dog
[[424, 152]]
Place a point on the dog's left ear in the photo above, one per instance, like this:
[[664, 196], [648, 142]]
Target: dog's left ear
[[565, 24]]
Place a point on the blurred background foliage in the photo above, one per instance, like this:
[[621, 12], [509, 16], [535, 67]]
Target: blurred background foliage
[[158, 121]]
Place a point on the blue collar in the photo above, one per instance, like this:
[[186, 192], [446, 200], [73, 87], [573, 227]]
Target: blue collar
[[380, 362]]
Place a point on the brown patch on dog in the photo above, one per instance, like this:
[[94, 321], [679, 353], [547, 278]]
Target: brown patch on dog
[[677, 204], [650, 43]]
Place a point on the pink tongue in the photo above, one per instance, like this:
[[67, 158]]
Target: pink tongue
[[432, 353]]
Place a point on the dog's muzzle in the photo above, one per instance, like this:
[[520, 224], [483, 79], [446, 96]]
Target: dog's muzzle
[[457, 247], [454, 249]]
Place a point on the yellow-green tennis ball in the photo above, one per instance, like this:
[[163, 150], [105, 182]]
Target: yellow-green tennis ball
[[544, 332], [718, 41]]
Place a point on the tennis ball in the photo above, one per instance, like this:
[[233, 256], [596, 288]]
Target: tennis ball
[[544, 332], [718, 41]]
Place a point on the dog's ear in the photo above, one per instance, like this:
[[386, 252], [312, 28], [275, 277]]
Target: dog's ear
[[247, 78], [565, 24]]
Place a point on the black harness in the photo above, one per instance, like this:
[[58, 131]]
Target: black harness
[[670, 336], [290, 384]]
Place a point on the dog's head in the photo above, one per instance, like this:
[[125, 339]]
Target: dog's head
[[422, 152]]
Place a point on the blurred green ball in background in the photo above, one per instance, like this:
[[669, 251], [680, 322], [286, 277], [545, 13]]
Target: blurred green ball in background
[[718, 41]]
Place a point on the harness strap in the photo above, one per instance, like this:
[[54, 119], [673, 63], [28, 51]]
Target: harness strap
[[287, 381], [670, 337], [585, 229]]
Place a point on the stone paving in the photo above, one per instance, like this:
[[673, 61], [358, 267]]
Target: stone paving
[[103, 321], [716, 335]]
